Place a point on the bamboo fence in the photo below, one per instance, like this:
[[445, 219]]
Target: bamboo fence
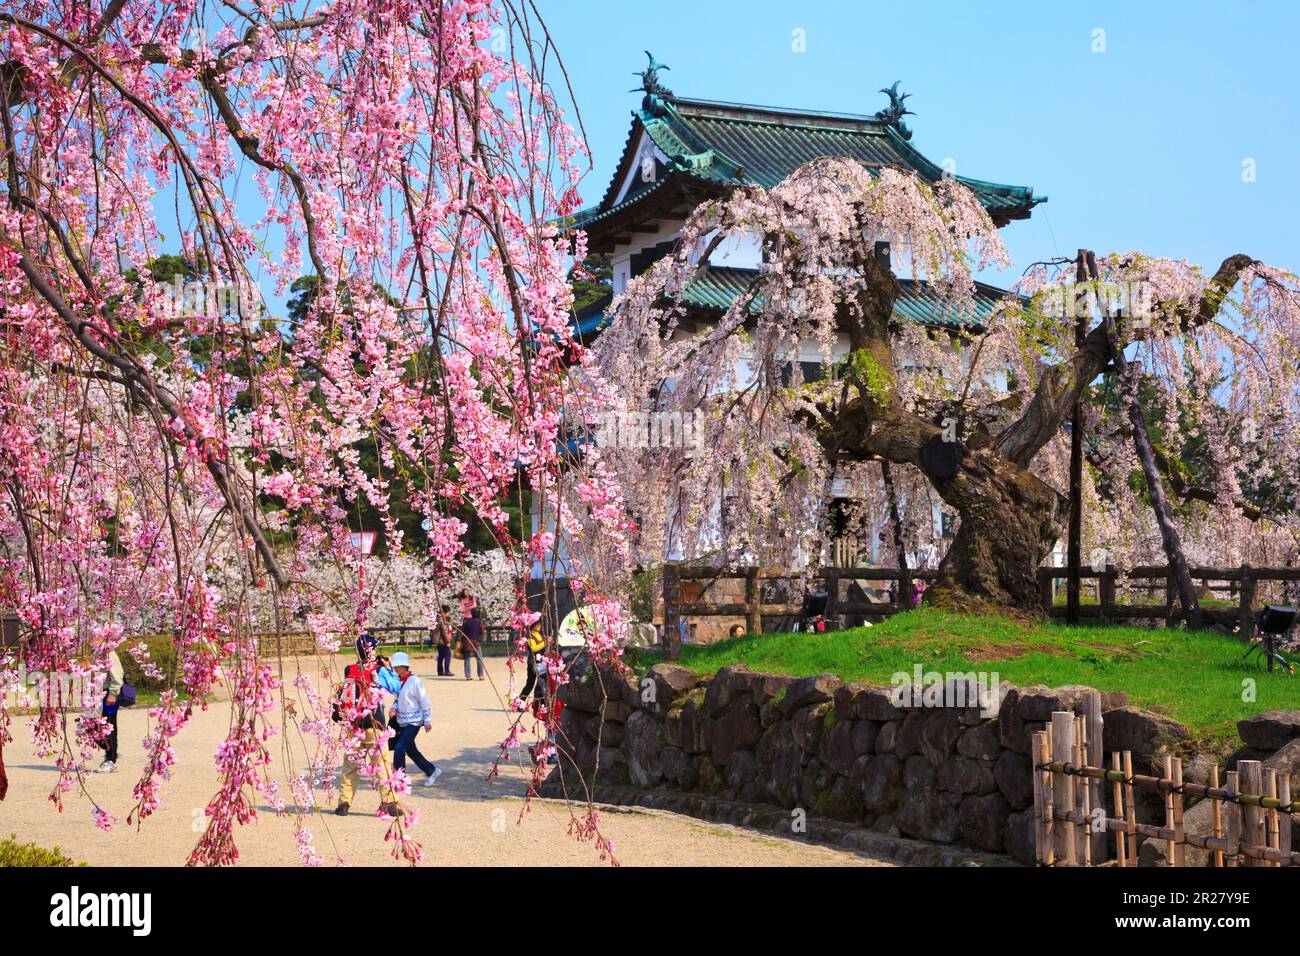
[[1073, 827]]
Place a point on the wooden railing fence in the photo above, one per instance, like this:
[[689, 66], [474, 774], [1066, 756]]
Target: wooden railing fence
[[1241, 583], [753, 609]]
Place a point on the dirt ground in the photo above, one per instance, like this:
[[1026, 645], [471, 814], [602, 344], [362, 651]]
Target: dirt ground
[[462, 820]]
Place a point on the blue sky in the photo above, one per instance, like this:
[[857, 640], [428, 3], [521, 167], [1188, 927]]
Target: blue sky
[[1138, 147]]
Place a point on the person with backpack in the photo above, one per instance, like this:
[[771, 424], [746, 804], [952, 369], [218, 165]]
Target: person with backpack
[[352, 705], [113, 681], [411, 712], [443, 641]]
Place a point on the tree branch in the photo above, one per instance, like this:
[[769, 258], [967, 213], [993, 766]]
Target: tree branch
[[1061, 384]]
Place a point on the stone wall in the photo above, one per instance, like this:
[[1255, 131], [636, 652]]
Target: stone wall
[[947, 771]]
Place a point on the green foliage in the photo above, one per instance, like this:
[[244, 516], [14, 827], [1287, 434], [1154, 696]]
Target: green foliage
[[13, 853], [1196, 677], [875, 380], [642, 599], [592, 281], [162, 652]]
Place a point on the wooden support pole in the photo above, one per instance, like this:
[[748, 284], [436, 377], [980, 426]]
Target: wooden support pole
[[672, 612], [1253, 827], [1063, 784], [1130, 811], [1167, 774], [1041, 753], [831, 582], [1176, 775], [1106, 593], [1045, 582], [904, 600], [1246, 604], [1217, 811], [1095, 757], [1074, 538], [1083, 795], [1284, 795], [753, 619], [1271, 815], [1117, 798], [1234, 788], [1171, 599]]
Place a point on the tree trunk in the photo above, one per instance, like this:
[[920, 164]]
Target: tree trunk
[[1010, 520]]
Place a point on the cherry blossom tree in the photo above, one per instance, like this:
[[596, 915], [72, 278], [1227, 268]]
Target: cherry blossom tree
[[976, 410], [407, 155]]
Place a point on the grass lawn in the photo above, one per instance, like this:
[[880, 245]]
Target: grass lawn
[[1196, 677]]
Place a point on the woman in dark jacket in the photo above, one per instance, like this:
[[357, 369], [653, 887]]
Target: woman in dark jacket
[[472, 637]]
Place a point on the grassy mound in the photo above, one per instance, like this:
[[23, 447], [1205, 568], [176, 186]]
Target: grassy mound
[[1196, 677]]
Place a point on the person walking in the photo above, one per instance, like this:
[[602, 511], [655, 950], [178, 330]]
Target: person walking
[[472, 639], [535, 661], [353, 706], [412, 713], [112, 687], [543, 660], [442, 640]]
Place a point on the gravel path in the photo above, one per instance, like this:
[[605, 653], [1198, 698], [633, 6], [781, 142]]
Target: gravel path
[[463, 820]]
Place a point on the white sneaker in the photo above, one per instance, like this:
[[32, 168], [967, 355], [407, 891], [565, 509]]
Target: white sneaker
[[106, 767], [430, 780]]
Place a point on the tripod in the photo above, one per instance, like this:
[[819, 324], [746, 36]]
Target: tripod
[[1265, 647]]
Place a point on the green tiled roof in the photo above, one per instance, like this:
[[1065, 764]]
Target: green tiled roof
[[718, 287], [726, 144]]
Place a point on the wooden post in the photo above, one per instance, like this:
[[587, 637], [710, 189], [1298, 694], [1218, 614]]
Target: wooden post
[[1045, 582], [753, 620], [1217, 810], [1044, 810], [1176, 776], [1063, 784], [1246, 605], [1253, 833], [1117, 798], [1075, 528], [1171, 597], [1271, 815], [1167, 776], [831, 581], [1234, 789], [1130, 811], [1083, 794], [895, 520], [672, 612], [1106, 593], [1284, 822], [1095, 757]]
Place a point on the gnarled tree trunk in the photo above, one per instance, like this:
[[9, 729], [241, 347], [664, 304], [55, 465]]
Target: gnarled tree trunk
[[1010, 520]]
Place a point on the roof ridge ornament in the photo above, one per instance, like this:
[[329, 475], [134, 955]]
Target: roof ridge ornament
[[655, 91], [893, 114]]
